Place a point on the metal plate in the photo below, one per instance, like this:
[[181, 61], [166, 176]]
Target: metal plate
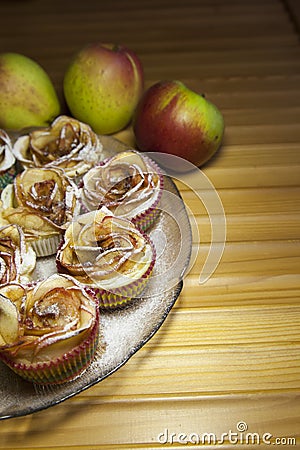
[[124, 331]]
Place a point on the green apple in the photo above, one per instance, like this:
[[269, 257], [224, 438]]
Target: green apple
[[172, 119], [27, 95], [102, 86]]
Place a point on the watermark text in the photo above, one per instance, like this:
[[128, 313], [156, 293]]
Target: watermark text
[[239, 436]]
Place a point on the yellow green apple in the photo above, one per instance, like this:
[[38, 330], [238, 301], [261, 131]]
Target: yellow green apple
[[171, 118], [27, 95], [102, 86]]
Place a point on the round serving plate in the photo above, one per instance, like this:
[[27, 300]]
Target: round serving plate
[[123, 331]]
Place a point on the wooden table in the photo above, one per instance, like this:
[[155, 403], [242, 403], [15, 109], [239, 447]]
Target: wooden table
[[229, 351]]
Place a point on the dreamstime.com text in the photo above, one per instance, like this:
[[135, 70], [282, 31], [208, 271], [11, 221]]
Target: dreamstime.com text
[[240, 436]]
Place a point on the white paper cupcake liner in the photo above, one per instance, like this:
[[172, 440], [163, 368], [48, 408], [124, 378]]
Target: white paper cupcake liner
[[46, 246]]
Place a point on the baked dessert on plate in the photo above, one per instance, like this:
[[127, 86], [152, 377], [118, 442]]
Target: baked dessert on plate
[[42, 201], [109, 254], [67, 144], [129, 184], [49, 332]]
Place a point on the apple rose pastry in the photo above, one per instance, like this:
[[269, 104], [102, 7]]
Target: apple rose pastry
[[67, 144], [128, 184], [17, 258], [109, 254], [7, 160], [48, 332], [42, 201]]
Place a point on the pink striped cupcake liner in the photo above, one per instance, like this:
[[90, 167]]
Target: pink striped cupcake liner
[[146, 219], [65, 368]]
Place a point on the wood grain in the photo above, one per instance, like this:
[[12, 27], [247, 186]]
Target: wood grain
[[230, 349]]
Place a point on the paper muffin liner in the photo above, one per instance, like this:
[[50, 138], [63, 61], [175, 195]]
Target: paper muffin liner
[[65, 368], [46, 246], [146, 219], [123, 295]]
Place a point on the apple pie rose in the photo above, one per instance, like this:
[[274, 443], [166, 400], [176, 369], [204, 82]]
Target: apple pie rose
[[7, 160], [17, 258], [128, 184], [42, 201], [109, 254], [48, 332], [67, 144]]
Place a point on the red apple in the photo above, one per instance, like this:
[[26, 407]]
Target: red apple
[[102, 86], [170, 118]]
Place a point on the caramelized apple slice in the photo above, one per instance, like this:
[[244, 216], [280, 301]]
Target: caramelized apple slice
[[9, 323]]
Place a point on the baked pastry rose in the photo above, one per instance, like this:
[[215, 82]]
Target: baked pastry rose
[[7, 160], [17, 258], [129, 184], [109, 254], [67, 144], [48, 332], [42, 201]]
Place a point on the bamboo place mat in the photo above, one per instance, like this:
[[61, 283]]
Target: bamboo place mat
[[228, 355]]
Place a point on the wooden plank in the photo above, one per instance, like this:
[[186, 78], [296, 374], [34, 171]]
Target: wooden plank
[[202, 327], [245, 177], [248, 200], [252, 259], [222, 371], [267, 116], [248, 228], [135, 422], [261, 88], [248, 290]]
